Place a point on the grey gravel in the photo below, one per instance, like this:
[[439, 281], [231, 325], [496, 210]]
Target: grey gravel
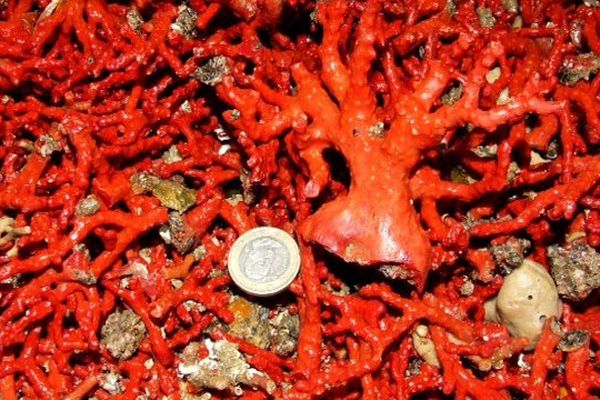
[[486, 18], [185, 22], [88, 206], [134, 20], [122, 333], [510, 254], [213, 71], [573, 340], [575, 268]]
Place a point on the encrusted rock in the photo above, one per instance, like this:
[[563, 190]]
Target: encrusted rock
[[284, 331], [510, 254], [122, 333], [377, 130], [88, 206], [178, 233], [414, 367], [172, 154], [143, 182], [397, 271], [134, 20], [452, 95], [575, 268], [458, 174], [225, 368], [580, 67], [251, 322], [488, 151], [47, 145], [172, 194], [111, 382], [136, 268], [213, 71], [199, 252], [467, 288], [486, 18], [573, 340], [512, 6], [185, 22]]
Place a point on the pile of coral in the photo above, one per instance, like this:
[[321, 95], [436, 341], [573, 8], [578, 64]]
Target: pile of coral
[[437, 161]]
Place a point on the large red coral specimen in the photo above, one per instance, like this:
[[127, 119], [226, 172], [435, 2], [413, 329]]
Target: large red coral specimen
[[382, 137]]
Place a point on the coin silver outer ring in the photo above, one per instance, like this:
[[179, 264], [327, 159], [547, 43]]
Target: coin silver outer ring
[[257, 288]]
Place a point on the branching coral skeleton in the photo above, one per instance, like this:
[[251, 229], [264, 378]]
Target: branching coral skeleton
[[140, 139]]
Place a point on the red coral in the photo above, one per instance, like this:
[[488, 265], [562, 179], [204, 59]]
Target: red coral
[[375, 223], [465, 126]]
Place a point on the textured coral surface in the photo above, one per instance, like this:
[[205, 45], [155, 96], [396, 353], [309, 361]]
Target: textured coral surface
[[418, 151]]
